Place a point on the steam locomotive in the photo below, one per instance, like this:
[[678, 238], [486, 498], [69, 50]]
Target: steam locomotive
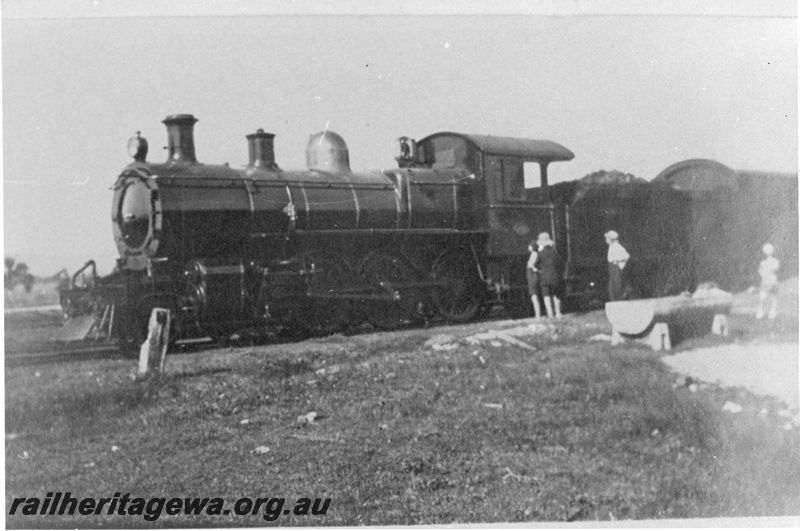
[[442, 236]]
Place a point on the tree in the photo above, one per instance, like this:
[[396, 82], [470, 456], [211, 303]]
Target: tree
[[18, 273]]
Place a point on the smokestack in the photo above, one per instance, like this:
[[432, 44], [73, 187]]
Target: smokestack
[[180, 138], [261, 150]]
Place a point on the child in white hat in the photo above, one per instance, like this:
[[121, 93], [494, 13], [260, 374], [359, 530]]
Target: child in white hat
[[768, 271]]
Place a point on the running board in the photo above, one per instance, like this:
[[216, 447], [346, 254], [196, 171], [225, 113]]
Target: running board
[[80, 327], [76, 328]]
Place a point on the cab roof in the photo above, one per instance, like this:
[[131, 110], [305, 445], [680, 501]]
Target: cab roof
[[525, 148]]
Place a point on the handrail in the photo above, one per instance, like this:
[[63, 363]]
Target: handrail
[[81, 270]]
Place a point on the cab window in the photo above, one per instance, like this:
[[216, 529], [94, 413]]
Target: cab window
[[513, 180], [533, 174], [506, 179]]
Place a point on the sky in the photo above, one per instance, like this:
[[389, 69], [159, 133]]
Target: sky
[[628, 87]]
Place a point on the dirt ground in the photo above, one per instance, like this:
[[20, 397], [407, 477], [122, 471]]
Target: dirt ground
[[764, 362], [497, 421], [767, 369]]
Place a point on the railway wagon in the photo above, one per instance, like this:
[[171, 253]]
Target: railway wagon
[[734, 212]]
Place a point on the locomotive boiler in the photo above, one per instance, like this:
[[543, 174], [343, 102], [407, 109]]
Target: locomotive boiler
[[442, 236]]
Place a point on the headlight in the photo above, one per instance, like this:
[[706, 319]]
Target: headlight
[[137, 147]]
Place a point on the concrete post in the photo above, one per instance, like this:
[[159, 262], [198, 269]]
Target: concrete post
[[153, 353]]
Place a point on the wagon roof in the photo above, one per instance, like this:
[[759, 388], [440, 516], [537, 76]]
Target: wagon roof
[[698, 175], [526, 148]]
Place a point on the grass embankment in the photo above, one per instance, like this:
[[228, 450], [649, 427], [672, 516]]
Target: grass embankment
[[574, 430], [31, 331]]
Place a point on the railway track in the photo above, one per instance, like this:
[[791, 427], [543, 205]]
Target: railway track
[[31, 358], [77, 352]]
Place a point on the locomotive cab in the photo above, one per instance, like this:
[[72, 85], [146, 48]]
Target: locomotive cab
[[499, 204]]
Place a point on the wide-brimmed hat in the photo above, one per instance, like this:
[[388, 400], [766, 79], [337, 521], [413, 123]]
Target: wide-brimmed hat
[[544, 239], [612, 235]]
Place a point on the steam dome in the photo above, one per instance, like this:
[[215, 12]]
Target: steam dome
[[327, 151]]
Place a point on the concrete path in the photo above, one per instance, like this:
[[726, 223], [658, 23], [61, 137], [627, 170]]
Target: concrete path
[[770, 369]]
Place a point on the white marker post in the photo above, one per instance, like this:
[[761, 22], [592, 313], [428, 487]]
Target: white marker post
[[153, 354]]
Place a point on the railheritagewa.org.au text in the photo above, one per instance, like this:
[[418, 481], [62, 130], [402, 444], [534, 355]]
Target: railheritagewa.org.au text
[[153, 507]]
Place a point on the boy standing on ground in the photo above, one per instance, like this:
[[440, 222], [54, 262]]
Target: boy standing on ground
[[548, 264], [617, 259], [768, 271], [532, 275]]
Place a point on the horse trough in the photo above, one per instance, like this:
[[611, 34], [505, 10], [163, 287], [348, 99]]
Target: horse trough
[[660, 322]]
